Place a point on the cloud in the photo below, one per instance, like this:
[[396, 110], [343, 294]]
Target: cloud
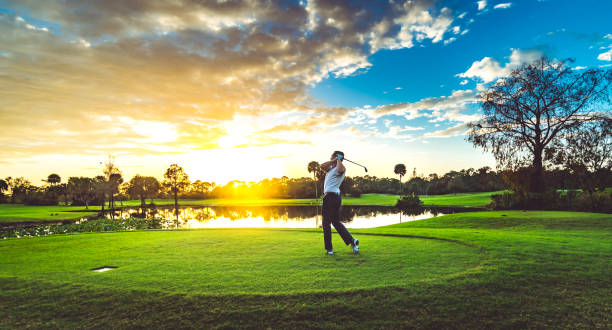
[[460, 129], [502, 5], [606, 56], [144, 77], [411, 110], [489, 69], [482, 4], [448, 41]]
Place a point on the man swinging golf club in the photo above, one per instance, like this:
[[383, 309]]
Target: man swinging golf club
[[335, 173]]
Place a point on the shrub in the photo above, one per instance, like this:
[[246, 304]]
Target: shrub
[[553, 200], [594, 202], [410, 201]]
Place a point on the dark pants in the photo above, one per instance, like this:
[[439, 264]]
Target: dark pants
[[331, 215]]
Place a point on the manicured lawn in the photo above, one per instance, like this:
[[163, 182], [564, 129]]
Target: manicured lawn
[[460, 200], [232, 261], [21, 213], [503, 269]]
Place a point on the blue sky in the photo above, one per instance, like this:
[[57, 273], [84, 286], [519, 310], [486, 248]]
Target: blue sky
[[210, 85], [560, 29]]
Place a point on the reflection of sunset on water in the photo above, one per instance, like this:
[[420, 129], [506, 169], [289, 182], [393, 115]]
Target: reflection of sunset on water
[[268, 216]]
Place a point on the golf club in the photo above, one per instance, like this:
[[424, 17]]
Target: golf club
[[365, 168]]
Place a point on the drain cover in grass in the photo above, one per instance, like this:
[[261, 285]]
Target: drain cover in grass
[[103, 269]]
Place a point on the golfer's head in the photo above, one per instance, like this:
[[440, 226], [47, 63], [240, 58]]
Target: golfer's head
[[334, 155]]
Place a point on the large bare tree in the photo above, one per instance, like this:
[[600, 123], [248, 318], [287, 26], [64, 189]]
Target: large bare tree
[[535, 107]]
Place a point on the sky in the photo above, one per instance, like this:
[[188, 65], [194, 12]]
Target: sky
[[246, 90]]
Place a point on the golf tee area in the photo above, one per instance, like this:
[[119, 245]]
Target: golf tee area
[[486, 269]]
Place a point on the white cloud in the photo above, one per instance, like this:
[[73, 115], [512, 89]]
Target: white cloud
[[422, 25], [460, 129], [489, 69], [607, 56], [448, 41], [482, 4], [441, 108], [502, 5], [463, 82]]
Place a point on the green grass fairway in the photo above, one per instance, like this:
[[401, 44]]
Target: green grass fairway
[[232, 261], [502, 269], [460, 200], [25, 213]]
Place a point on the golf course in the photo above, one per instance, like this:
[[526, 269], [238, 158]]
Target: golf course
[[502, 269], [306, 164]]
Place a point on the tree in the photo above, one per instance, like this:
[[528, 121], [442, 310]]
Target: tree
[[3, 187], [63, 189], [400, 169], [82, 190], [114, 181], [529, 111], [53, 187], [53, 179], [100, 187], [113, 177], [587, 156], [19, 188], [143, 187], [175, 180], [314, 168]]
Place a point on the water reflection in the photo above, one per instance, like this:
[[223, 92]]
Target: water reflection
[[273, 216]]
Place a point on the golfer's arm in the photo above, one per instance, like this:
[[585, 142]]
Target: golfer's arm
[[341, 167], [327, 165]]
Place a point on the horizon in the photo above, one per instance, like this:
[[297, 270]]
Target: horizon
[[241, 91]]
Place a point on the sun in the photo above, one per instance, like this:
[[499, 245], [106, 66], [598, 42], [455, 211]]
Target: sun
[[246, 164]]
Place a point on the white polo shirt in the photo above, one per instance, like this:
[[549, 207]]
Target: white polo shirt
[[333, 180]]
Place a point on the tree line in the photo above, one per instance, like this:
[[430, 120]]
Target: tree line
[[109, 188]]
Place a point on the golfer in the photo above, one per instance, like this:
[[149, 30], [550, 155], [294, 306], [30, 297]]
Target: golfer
[[335, 173]]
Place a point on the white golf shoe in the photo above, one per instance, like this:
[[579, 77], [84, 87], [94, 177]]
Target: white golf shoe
[[355, 246]]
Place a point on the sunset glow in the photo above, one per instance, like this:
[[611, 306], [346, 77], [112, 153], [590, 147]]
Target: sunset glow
[[243, 90]]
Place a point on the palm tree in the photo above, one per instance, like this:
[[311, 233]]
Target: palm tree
[[314, 167], [400, 169], [54, 179], [114, 180]]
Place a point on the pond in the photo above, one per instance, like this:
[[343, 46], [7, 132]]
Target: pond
[[189, 217], [274, 216]]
